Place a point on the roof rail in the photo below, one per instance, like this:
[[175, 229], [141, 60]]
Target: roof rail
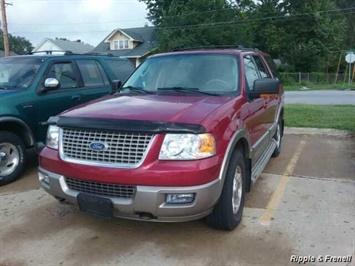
[[49, 52], [239, 47], [95, 53]]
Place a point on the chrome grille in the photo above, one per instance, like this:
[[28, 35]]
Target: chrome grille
[[104, 189], [122, 149]]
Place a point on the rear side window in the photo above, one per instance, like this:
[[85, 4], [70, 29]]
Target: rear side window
[[121, 69], [264, 72], [91, 74], [272, 66]]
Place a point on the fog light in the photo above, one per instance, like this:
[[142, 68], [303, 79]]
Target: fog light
[[179, 198], [43, 177]]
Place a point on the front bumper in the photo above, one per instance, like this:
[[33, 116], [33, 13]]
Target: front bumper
[[148, 202]]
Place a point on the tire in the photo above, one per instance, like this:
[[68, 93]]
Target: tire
[[227, 214], [278, 138], [12, 157]]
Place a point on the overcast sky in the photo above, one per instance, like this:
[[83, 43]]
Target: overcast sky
[[88, 20]]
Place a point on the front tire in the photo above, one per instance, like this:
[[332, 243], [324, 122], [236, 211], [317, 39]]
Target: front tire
[[228, 212], [12, 157], [278, 138]]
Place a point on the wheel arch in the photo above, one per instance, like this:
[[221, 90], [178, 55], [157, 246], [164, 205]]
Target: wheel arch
[[18, 127], [240, 139]]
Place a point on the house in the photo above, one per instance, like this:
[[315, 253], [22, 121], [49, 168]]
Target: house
[[62, 45], [134, 43], [2, 53]]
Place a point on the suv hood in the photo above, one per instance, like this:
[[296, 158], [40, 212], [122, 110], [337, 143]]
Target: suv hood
[[168, 108]]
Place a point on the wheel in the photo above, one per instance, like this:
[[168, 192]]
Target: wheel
[[228, 212], [278, 138], [12, 157]]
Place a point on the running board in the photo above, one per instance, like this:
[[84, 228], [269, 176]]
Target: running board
[[264, 159]]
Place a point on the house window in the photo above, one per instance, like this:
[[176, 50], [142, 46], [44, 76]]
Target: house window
[[121, 44], [126, 44], [115, 44]]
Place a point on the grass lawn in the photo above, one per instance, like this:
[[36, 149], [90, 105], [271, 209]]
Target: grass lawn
[[320, 116], [327, 86]]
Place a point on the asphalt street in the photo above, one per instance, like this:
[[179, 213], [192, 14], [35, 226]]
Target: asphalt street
[[302, 206], [322, 97]]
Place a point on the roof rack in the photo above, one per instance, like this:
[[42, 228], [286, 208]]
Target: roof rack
[[49, 52], [95, 53], [239, 47]]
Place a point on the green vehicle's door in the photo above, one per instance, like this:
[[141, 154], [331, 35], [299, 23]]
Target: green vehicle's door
[[52, 102], [94, 79]]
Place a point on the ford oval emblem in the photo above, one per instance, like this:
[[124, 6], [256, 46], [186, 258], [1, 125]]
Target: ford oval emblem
[[98, 146]]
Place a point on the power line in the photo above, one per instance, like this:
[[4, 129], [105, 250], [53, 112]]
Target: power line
[[184, 15], [216, 24]]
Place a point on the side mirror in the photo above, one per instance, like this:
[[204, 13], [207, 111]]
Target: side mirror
[[115, 86], [50, 84], [265, 86]]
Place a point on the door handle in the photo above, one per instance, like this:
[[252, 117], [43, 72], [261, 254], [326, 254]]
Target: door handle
[[76, 98]]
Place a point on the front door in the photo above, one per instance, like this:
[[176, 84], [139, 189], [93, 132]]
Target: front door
[[53, 102]]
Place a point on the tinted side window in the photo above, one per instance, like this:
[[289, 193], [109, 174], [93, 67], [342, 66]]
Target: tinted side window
[[64, 73], [251, 71], [121, 69], [272, 66], [90, 73], [264, 73]]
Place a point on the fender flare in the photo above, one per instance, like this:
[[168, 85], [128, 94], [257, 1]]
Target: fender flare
[[30, 140], [237, 136]]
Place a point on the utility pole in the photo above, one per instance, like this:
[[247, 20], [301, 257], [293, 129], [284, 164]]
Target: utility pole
[[4, 27]]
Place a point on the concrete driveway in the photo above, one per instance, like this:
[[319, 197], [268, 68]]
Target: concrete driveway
[[323, 97], [302, 205]]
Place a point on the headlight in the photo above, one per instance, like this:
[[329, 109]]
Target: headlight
[[52, 137], [187, 147]]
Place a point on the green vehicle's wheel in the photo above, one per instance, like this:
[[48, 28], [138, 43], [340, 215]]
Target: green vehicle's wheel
[[12, 157]]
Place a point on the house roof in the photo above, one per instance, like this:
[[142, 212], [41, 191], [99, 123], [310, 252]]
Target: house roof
[[66, 45], [2, 53], [145, 35]]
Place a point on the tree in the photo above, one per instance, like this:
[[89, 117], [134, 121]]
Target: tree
[[194, 23], [18, 45]]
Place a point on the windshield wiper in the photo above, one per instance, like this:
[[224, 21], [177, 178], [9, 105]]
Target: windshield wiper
[[187, 89], [137, 89], [3, 88]]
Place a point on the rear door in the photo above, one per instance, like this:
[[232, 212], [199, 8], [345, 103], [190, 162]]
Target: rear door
[[95, 81]]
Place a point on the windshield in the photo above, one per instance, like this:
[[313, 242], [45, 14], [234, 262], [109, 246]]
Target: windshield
[[192, 73], [18, 72]]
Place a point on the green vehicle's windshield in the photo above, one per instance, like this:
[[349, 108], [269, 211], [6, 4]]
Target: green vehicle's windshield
[[17, 72], [212, 74]]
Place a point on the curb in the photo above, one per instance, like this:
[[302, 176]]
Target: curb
[[317, 131]]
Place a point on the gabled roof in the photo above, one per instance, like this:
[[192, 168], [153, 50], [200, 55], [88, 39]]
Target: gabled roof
[[66, 45], [145, 35]]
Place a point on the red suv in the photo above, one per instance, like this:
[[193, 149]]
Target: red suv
[[184, 138]]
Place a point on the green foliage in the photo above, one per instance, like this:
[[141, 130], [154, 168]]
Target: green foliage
[[18, 45], [194, 23], [306, 35]]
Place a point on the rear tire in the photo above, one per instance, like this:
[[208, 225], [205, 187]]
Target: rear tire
[[278, 138], [12, 157], [228, 212]]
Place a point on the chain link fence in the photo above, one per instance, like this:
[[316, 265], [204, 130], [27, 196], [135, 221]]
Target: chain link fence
[[314, 78]]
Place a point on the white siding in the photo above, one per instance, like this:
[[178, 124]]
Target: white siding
[[48, 46]]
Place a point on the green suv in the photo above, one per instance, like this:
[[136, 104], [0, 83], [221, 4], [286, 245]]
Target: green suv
[[33, 88]]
